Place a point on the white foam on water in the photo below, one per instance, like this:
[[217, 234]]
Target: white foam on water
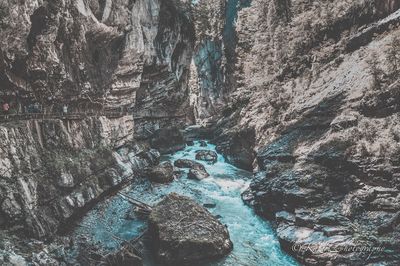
[[255, 243]]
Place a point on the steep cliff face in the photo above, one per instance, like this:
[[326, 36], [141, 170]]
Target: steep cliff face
[[317, 92], [52, 169], [212, 70], [95, 52], [94, 57], [207, 68], [164, 84]]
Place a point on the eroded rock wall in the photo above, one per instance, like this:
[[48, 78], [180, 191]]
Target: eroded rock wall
[[316, 99], [212, 70], [94, 52], [93, 57], [50, 170]]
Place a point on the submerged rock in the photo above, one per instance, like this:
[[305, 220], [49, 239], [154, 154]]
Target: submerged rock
[[190, 143], [162, 173], [185, 232], [203, 143], [197, 170], [186, 163], [210, 205], [124, 257], [197, 174], [207, 155]]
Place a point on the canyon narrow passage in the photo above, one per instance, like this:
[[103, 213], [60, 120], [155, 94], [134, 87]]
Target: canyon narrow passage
[[253, 238]]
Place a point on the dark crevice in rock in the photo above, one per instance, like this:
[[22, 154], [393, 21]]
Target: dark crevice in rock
[[40, 19]]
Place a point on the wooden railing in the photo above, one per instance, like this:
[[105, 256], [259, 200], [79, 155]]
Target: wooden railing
[[78, 116]]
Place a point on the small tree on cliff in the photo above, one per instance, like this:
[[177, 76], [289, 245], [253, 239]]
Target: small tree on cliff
[[375, 71], [393, 58], [283, 10]]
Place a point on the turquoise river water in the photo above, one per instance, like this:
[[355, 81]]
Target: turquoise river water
[[255, 243]]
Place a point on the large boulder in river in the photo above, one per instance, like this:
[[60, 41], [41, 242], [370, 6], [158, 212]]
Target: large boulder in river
[[197, 174], [162, 173], [126, 256], [186, 163], [197, 170], [185, 232], [207, 155], [168, 140]]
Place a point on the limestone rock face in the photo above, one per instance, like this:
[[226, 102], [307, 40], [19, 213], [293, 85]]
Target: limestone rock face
[[186, 233], [317, 86], [69, 163], [97, 58], [108, 53], [168, 140], [212, 69]]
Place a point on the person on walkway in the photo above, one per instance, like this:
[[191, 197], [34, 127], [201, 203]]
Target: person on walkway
[[36, 107], [65, 109], [6, 109]]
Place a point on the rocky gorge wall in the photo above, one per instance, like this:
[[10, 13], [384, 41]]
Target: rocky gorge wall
[[92, 52], [93, 57], [212, 70], [315, 113], [52, 169]]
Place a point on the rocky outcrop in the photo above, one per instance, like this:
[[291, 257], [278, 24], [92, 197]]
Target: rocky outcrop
[[316, 93], [162, 173], [96, 55], [207, 156], [238, 147], [185, 233], [53, 169], [197, 174], [197, 170], [168, 140], [212, 69]]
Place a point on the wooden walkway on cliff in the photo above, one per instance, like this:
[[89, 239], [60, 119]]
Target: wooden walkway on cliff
[[80, 116]]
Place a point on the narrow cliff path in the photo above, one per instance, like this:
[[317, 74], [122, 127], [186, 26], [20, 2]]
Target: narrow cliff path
[[78, 116]]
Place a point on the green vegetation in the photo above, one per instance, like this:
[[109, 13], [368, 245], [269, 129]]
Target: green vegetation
[[375, 71], [382, 78], [283, 9], [393, 58]]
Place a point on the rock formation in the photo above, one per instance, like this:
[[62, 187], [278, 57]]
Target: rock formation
[[85, 80], [207, 156], [317, 91], [197, 171], [185, 233], [162, 173], [167, 140], [212, 69]]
